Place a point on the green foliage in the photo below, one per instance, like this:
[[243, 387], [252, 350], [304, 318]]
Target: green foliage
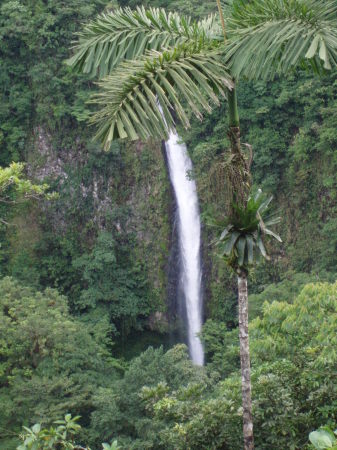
[[88, 200], [61, 437], [191, 64], [163, 401], [293, 140], [189, 73], [241, 242], [49, 363], [13, 177], [125, 34], [285, 290], [219, 337], [221, 347], [294, 390], [16, 189], [110, 260], [112, 446], [314, 326], [188, 65], [188, 7], [36, 87], [113, 284], [121, 408], [269, 38]]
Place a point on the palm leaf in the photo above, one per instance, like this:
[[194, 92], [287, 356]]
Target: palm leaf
[[271, 233], [225, 232], [250, 248], [272, 219], [129, 98], [230, 243], [260, 244], [270, 37], [127, 34], [241, 246]]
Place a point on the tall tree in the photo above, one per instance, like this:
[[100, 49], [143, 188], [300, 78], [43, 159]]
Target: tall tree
[[151, 57]]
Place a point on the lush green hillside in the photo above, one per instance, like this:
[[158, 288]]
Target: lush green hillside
[[291, 126], [90, 285]]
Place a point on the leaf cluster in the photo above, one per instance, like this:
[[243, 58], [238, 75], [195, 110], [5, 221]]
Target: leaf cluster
[[129, 99], [163, 57], [112, 285], [265, 38], [127, 34], [61, 436], [23, 189], [269, 38], [241, 242], [49, 363]]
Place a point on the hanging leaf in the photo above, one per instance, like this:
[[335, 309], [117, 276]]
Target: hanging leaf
[[229, 246], [250, 249], [241, 246]]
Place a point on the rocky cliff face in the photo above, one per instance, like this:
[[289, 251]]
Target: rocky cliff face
[[63, 169], [126, 190]]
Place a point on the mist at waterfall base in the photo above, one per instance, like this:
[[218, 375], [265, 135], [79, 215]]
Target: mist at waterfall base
[[180, 164]]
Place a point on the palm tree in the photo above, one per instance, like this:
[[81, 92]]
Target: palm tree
[[150, 57]]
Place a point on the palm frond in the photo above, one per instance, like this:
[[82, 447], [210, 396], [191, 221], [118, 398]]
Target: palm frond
[[270, 37], [128, 34], [129, 98]]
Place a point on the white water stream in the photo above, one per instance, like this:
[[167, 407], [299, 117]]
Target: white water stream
[[189, 240]]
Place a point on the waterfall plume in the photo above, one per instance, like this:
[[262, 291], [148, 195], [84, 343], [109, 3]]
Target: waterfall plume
[[180, 165]]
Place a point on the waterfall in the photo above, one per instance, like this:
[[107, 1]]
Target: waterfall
[[185, 191]]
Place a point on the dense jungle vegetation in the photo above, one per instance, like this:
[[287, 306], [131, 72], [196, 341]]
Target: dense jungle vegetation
[[88, 317]]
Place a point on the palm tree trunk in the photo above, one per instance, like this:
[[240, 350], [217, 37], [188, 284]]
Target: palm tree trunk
[[240, 186], [239, 175], [248, 436], [234, 120]]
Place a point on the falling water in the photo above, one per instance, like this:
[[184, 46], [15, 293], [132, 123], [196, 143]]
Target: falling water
[[189, 240]]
